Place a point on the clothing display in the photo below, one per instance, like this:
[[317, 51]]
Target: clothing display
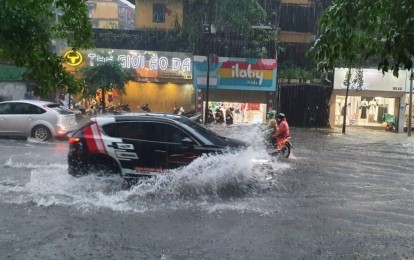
[[381, 111], [365, 111], [364, 106]]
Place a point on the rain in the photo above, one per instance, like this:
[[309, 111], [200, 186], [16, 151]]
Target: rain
[[231, 66]]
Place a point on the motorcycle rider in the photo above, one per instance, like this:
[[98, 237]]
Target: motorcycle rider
[[229, 115], [145, 107], [209, 116], [282, 132], [219, 115]]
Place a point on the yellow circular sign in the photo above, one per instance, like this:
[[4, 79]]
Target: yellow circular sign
[[73, 58]]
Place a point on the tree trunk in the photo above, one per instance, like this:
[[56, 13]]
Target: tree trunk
[[348, 81], [103, 100]]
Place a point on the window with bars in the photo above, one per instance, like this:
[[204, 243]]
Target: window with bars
[[158, 13]]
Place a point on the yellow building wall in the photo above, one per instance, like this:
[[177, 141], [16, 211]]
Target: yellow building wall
[[161, 97], [298, 2], [105, 10], [108, 24], [143, 14], [295, 37]]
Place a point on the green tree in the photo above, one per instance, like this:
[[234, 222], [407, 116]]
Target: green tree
[[105, 76], [228, 16], [27, 29], [352, 32]]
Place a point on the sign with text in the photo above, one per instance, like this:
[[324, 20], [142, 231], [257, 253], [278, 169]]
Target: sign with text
[[235, 73], [372, 80], [147, 64]]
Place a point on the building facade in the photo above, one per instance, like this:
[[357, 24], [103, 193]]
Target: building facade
[[111, 14], [159, 14], [371, 102], [161, 79], [246, 85], [297, 23]]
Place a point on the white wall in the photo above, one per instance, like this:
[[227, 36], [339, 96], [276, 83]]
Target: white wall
[[374, 80], [12, 90]]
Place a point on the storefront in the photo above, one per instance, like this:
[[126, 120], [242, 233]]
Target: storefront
[[161, 79], [375, 101], [246, 85]]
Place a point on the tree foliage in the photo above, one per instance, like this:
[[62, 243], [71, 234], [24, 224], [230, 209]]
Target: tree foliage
[[352, 32], [228, 16], [27, 28], [105, 76], [234, 35]]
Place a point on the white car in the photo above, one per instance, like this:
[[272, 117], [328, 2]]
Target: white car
[[41, 120]]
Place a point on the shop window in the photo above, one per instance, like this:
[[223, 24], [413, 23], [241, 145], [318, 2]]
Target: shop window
[[158, 13]]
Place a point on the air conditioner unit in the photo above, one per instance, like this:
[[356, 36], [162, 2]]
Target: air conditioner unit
[[206, 28]]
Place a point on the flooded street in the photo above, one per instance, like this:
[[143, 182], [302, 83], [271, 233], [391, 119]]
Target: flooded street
[[337, 197]]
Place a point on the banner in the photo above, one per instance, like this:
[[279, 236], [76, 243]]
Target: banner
[[372, 79], [235, 73], [149, 65]]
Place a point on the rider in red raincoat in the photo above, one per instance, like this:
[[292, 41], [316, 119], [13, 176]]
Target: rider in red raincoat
[[282, 132]]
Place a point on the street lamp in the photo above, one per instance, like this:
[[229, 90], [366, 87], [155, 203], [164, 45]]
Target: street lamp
[[208, 29]]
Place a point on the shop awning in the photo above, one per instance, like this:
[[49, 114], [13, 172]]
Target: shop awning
[[11, 73]]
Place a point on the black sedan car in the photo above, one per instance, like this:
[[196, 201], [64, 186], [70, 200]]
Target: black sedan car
[[142, 144]]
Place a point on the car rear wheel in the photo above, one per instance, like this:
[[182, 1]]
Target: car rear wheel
[[103, 168], [41, 133]]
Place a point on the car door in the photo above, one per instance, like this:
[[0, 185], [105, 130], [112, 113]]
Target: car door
[[23, 118], [5, 116], [140, 146], [130, 151], [159, 146], [16, 119], [156, 149], [180, 146]]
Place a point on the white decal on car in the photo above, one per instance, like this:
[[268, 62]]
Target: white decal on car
[[125, 146], [124, 155]]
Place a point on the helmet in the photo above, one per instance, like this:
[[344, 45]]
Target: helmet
[[280, 116]]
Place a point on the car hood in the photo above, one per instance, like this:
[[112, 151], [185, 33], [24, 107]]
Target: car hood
[[234, 143]]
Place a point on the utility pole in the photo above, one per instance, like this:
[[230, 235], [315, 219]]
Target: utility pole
[[210, 22], [410, 104]]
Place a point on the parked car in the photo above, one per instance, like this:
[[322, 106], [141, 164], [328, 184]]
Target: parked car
[[41, 120], [141, 144]]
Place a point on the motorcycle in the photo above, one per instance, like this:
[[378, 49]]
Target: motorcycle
[[219, 116], [284, 149], [229, 116], [209, 116], [125, 108], [145, 108]]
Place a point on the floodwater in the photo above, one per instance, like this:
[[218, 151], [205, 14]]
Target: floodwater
[[338, 196], [210, 182]]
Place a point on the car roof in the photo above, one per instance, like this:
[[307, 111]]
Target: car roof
[[142, 116], [29, 101]]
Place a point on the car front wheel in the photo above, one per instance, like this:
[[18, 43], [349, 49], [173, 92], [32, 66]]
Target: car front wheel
[[41, 133]]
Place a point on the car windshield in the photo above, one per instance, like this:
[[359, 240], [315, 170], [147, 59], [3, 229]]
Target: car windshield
[[60, 109], [210, 135]]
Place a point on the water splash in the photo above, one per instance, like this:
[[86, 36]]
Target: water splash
[[235, 180]]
